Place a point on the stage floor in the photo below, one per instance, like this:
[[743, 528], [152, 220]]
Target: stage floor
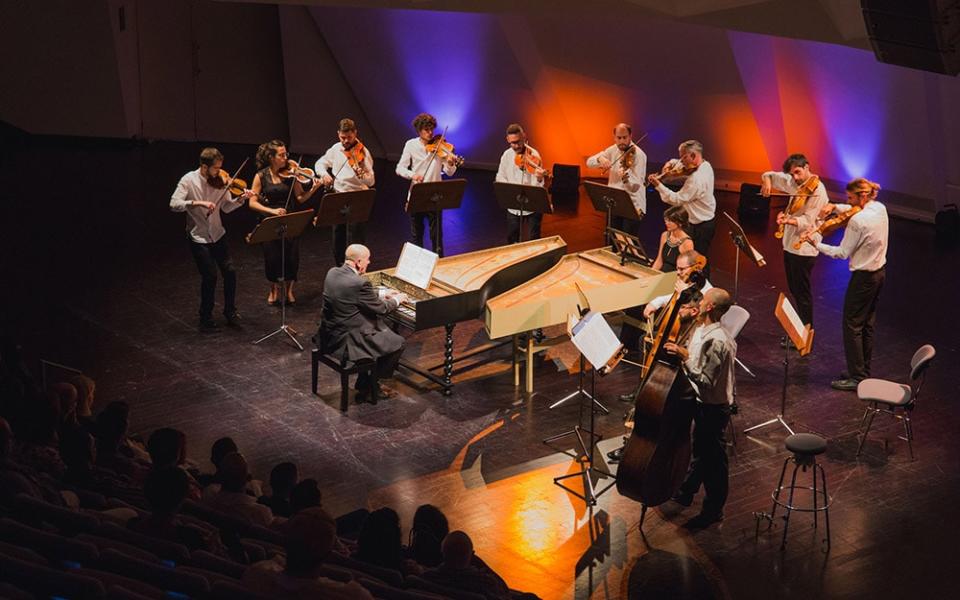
[[98, 275]]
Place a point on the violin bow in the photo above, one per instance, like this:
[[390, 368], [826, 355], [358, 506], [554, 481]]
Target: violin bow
[[436, 150], [286, 205]]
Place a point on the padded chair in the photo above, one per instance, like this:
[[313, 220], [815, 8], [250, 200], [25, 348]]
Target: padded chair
[[223, 590], [388, 592], [155, 574], [419, 583], [318, 356], [45, 581], [49, 545], [897, 399]]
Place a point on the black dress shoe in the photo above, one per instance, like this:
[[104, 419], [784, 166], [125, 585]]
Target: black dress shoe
[[683, 499], [208, 325], [703, 520], [233, 318], [628, 398], [845, 385], [615, 455]]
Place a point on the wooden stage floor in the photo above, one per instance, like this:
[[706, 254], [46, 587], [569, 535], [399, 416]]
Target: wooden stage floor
[[97, 274]]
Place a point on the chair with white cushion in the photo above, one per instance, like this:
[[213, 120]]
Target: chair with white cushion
[[897, 399]]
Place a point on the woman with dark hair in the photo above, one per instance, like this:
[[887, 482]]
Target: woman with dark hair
[[429, 528], [273, 192], [674, 241]]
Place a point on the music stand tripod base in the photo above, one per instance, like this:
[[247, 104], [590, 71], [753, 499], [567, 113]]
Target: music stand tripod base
[[587, 449], [283, 228]]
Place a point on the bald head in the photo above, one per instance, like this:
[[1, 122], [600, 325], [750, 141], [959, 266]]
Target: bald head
[[716, 302], [457, 549], [622, 129], [622, 136], [356, 252]]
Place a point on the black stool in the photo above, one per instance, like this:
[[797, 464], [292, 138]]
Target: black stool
[[805, 448], [317, 356]]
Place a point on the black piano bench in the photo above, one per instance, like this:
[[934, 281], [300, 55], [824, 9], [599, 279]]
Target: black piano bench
[[317, 357]]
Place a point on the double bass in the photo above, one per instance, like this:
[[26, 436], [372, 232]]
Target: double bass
[[657, 453]]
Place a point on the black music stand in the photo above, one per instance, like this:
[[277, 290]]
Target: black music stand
[[345, 208], [629, 247], [613, 201], [283, 228], [587, 449], [525, 198], [739, 238], [801, 337], [434, 196]]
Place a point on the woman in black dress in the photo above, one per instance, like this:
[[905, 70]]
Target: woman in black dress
[[272, 195], [674, 241]]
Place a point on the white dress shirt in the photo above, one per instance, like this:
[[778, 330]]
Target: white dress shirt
[[710, 365], [414, 161], [203, 228], [696, 195], [806, 218], [635, 185], [509, 172], [346, 180], [864, 240], [661, 301]]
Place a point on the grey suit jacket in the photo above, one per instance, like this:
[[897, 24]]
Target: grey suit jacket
[[352, 326]]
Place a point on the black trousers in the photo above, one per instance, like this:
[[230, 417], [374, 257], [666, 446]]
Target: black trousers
[[436, 230], [859, 315], [386, 365], [702, 236], [709, 466], [532, 220], [357, 235], [291, 258], [798, 269], [210, 258]]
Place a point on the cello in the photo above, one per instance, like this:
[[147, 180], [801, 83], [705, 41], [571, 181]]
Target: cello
[[657, 454]]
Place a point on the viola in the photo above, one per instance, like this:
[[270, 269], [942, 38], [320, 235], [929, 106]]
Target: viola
[[293, 170], [673, 168], [657, 453], [443, 150], [799, 200], [828, 226]]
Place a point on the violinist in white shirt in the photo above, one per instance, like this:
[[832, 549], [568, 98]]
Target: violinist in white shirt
[[696, 195], [420, 162], [864, 243], [626, 167], [521, 164], [347, 167]]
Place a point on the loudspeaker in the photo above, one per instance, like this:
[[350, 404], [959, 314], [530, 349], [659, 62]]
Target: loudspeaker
[[565, 189], [752, 204], [920, 34]]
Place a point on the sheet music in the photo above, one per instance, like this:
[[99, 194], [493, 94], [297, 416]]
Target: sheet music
[[594, 338], [794, 320], [416, 265]]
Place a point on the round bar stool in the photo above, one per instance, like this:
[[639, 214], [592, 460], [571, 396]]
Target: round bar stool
[[805, 448]]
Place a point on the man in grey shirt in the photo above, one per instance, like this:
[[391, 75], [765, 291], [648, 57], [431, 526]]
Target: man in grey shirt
[[708, 361]]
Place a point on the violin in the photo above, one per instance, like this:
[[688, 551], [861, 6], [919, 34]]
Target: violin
[[528, 162], [356, 157], [657, 453], [828, 226], [443, 150], [293, 170], [223, 181], [672, 168], [799, 200]]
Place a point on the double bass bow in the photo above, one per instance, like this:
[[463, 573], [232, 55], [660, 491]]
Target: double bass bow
[[657, 453]]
